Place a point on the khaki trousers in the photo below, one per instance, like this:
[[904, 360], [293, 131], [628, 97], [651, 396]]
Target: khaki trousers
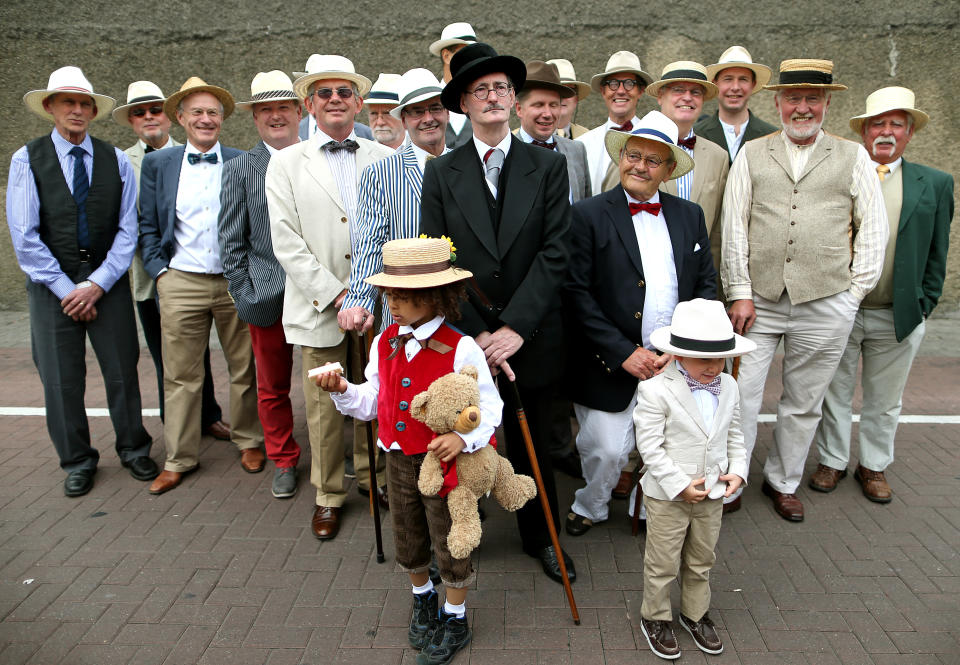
[[189, 302], [681, 542]]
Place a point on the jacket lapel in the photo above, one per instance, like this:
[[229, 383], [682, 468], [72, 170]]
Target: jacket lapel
[[466, 180], [698, 174], [913, 186], [621, 221], [411, 170], [778, 151], [319, 170], [820, 152], [521, 188], [678, 387], [171, 182], [260, 158]]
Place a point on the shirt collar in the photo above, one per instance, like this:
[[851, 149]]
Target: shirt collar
[[526, 138], [653, 199], [424, 331], [322, 139], [422, 154], [610, 123], [893, 166], [63, 146], [482, 147], [192, 149], [795, 146]]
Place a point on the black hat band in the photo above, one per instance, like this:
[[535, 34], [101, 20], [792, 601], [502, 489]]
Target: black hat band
[[703, 346], [805, 76]]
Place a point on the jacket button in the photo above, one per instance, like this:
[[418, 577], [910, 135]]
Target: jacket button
[[637, 315], [794, 206], [401, 426], [790, 242], [788, 259], [343, 219], [405, 382], [316, 304], [793, 223], [496, 274], [641, 283], [404, 405], [346, 256]]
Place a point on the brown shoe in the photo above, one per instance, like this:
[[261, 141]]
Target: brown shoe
[[252, 460], [624, 486], [660, 637], [167, 480], [825, 478], [732, 507], [874, 485], [788, 506], [326, 522], [703, 633], [219, 430]]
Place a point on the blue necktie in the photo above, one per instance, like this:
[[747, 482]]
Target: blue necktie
[[81, 187], [196, 157]]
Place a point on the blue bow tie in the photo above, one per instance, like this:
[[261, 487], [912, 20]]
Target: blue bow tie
[[195, 157]]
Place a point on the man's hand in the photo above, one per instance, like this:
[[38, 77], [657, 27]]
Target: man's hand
[[742, 315], [642, 363], [79, 303], [499, 345], [355, 318], [447, 446], [338, 301], [663, 361], [693, 495], [733, 482]]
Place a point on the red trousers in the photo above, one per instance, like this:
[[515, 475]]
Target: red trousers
[[274, 359]]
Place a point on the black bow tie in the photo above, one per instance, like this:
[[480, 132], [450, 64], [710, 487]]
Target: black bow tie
[[148, 149], [336, 146], [196, 158]]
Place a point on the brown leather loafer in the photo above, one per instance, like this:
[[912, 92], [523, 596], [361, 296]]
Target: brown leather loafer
[[326, 522], [660, 638], [252, 460], [704, 634], [732, 507], [874, 485], [219, 430], [167, 480], [788, 506], [825, 478], [624, 486]]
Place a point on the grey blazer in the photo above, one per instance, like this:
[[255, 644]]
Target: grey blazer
[[577, 169], [359, 128], [454, 140], [254, 275]]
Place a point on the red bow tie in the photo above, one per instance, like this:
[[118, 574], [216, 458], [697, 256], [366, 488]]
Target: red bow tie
[[625, 127], [543, 144], [688, 143], [652, 208]]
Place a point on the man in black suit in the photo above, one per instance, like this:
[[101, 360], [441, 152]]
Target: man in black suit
[[635, 253], [505, 204]]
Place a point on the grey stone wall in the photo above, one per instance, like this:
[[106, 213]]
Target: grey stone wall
[[873, 44]]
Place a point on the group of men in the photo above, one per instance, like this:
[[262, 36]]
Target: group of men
[[581, 244]]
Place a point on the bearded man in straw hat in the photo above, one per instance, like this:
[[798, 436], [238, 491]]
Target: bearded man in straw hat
[[737, 77], [179, 204], [312, 196], [143, 113], [383, 97], [796, 267], [454, 37], [72, 212], [566, 127], [254, 276], [889, 325], [636, 251]]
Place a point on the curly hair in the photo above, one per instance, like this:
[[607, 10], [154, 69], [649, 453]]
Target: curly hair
[[443, 300]]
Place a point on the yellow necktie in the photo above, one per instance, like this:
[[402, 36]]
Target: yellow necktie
[[882, 171]]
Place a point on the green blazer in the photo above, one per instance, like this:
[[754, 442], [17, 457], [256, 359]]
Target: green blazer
[[708, 126], [923, 235]]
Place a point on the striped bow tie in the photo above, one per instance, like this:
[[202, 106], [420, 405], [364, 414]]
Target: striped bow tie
[[347, 144], [712, 387]]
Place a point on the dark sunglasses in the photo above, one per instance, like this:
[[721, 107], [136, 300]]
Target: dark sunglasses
[[327, 93], [140, 112]]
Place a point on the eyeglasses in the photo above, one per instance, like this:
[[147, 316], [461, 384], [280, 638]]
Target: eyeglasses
[[795, 100], [198, 113], [419, 111], [693, 91], [653, 162], [482, 92], [140, 112], [613, 84], [327, 93]]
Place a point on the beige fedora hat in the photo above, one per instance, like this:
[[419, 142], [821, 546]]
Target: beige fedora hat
[[453, 34], [416, 85], [684, 71], [385, 90], [320, 67], [569, 77], [418, 263], [806, 73], [620, 62], [737, 56], [272, 86], [138, 92], [67, 79], [654, 126], [197, 84], [893, 98]]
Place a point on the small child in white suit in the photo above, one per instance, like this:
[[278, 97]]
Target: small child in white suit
[[688, 433]]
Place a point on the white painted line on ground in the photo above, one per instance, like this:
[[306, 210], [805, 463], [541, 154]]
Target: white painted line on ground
[[41, 411], [904, 420]]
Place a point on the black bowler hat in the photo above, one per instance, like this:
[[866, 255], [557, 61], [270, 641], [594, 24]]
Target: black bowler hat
[[474, 61]]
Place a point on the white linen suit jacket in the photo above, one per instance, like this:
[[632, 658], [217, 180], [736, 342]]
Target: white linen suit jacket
[[311, 237], [674, 442]]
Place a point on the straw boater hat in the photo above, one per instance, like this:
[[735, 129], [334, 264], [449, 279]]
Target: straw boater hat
[[654, 126], [701, 329], [67, 79], [197, 84], [272, 86], [619, 63], [385, 90], [417, 263], [684, 71], [545, 76], [737, 56], [453, 34], [138, 92], [806, 73], [416, 85], [320, 67], [569, 77], [476, 60], [893, 98]]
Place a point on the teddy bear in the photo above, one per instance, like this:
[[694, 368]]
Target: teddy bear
[[450, 404]]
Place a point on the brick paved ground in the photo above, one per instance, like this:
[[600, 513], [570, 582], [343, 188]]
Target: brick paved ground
[[218, 571]]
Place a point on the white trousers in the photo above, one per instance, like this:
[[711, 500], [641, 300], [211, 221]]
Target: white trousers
[[604, 442]]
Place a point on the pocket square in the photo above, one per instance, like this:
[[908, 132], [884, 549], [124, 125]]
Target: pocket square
[[696, 247]]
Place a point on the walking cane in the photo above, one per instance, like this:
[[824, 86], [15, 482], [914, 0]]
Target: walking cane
[[371, 455], [544, 502]]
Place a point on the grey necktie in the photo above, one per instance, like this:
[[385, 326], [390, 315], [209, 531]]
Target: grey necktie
[[493, 162]]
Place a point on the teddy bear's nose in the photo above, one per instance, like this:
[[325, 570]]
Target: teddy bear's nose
[[472, 416]]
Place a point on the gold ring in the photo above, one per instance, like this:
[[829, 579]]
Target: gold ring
[[82, 303]]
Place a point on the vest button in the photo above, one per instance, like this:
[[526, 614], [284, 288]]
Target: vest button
[[641, 283], [790, 242], [794, 206], [788, 259], [401, 426], [637, 315], [405, 382], [793, 223], [496, 274], [404, 405], [796, 191]]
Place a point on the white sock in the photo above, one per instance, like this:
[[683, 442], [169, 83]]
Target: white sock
[[426, 588], [458, 610]]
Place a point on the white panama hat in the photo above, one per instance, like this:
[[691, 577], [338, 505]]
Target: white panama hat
[[621, 62], [654, 126], [701, 329], [416, 85], [893, 98], [453, 34], [320, 67], [737, 56], [272, 86], [67, 79], [138, 92]]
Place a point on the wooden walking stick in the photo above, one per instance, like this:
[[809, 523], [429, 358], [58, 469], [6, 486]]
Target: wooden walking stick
[[371, 456], [544, 502]]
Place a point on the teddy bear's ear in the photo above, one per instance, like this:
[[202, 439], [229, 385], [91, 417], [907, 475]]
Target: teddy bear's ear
[[418, 406], [470, 371]]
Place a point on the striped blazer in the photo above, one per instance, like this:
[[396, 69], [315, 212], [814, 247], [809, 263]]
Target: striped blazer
[[254, 276]]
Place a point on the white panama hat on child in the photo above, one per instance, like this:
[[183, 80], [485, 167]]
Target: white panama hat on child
[[701, 329]]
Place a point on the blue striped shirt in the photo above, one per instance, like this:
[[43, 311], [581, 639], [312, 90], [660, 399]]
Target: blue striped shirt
[[685, 182]]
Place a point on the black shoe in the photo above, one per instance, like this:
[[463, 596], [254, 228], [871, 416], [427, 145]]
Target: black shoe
[[569, 464], [424, 618], [142, 468], [434, 572], [78, 483], [577, 525], [450, 635], [548, 559]]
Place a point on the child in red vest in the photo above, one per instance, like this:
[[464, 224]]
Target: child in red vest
[[423, 291]]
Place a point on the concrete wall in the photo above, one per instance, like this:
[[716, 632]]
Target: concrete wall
[[873, 44]]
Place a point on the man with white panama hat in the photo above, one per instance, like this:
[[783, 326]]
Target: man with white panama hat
[[254, 276], [796, 267], [72, 213], [621, 84], [566, 127], [382, 97], [737, 77], [453, 38], [308, 126], [889, 326], [312, 197], [636, 251]]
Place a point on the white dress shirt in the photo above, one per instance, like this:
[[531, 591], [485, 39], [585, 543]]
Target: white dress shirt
[[659, 270], [482, 149], [734, 139], [343, 166], [707, 402], [195, 234], [685, 182]]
